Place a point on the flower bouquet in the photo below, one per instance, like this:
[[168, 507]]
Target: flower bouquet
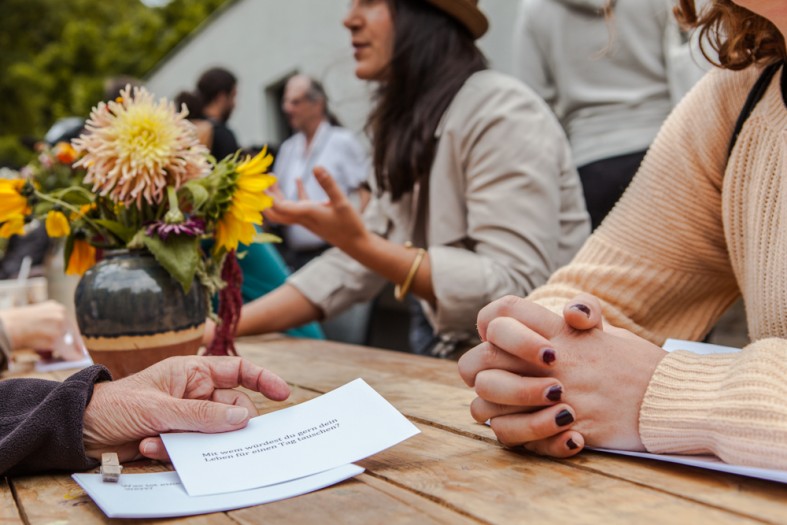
[[139, 180]]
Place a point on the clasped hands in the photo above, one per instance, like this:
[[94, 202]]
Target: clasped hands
[[556, 384]]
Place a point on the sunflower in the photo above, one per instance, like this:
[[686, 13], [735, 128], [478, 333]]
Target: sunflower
[[135, 147], [83, 257], [248, 201], [57, 224], [13, 226], [13, 204]]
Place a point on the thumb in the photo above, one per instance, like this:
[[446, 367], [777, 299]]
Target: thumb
[[583, 312], [204, 416]]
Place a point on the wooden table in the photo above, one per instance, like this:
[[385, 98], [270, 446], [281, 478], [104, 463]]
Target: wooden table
[[453, 472]]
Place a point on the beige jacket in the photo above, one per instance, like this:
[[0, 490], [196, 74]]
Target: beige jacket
[[505, 210]]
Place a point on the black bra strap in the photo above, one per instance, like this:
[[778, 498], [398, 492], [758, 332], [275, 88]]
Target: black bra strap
[[755, 95]]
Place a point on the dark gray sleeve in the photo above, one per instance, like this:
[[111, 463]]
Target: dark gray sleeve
[[41, 423]]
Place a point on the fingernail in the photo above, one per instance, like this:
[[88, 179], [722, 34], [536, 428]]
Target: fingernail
[[571, 445], [582, 308], [564, 418], [149, 448], [237, 415], [554, 393], [549, 356]]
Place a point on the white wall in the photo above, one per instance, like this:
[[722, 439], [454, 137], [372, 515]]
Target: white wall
[[263, 41]]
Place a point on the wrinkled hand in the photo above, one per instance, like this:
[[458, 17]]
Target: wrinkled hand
[[44, 326], [556, 384], [178, 394], [336, 221]]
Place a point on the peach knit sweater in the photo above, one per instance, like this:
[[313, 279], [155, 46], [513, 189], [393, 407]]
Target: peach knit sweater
[[692, 233]]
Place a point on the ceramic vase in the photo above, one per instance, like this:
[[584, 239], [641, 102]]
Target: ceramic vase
[[132, 313]]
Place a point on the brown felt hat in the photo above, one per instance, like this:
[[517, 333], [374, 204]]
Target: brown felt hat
[[467, 12]]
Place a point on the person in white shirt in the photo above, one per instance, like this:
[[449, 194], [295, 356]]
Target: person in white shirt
[[318, 141]]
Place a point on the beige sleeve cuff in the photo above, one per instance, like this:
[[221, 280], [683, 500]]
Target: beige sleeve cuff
[[730, 405]]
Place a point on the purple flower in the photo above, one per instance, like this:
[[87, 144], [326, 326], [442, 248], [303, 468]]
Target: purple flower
[[191, 227]]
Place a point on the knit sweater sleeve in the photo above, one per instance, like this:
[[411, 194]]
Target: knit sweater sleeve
[[730, 405], [41, 423], [659, 262], [660, 266]]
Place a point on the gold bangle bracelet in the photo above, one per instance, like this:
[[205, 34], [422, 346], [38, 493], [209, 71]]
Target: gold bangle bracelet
[[400, 291]]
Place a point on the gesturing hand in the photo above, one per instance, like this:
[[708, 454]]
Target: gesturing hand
[[555, 384], [335, 220], [178, 394]]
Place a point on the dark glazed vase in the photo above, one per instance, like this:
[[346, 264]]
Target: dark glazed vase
[[132, 313]]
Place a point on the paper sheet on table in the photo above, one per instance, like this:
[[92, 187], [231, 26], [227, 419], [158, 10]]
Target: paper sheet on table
[[337, 428], [53, 365], [707, 462], [161, 495]]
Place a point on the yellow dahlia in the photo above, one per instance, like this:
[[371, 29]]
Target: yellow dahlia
[[135, 147], [57, 224], [13, 204], [83, 257], [248, 201]]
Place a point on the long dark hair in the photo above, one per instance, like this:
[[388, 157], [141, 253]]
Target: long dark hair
[[433, 56]]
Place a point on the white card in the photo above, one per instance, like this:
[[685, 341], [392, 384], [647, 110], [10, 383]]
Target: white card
[[707, 462], [161, 495], [337, 428]]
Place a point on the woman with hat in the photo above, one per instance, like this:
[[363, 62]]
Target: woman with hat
[[475, 196]]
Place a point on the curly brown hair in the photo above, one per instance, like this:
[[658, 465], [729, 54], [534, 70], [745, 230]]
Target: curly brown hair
[[739, 37]]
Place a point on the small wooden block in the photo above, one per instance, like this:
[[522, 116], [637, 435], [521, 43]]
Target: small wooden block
[[110, 467]]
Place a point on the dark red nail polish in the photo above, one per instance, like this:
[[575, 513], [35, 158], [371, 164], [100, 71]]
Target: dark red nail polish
[[564, 418], [582, 308], [554, 393], [571, 445], [549, 356]]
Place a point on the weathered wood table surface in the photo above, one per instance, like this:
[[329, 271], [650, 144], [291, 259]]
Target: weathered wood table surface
[[453, 472]]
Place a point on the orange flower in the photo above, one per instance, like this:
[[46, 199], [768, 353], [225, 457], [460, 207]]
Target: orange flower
[[65, 152], [83, 257]]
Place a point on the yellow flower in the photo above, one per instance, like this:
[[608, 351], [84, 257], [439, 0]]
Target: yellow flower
[[83, 210], [13, 204], [57, 224], [83, 257], [248, 201], [135, 147], [13, 226]]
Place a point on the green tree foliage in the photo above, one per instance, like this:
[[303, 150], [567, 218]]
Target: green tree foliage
[[55, 56]]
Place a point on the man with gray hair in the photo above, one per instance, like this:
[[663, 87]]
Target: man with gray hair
[[318, 141]]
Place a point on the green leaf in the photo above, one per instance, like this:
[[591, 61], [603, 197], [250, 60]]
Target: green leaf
[[179, 255], [199, 195], [266, 237], [124, 233]]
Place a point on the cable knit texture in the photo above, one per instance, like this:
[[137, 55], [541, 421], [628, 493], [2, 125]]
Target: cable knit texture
[[692, 233]]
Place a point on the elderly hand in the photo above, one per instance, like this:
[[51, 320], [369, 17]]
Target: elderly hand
[[555, 384], [178, 394], [336, 221], [43, 326]]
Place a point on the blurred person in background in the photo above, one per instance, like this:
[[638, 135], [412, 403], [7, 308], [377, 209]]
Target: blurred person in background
[[612, 70], [217, 89], [474, 195]]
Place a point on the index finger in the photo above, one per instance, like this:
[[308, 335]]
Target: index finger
[[534, 316], [332, 189], [230, 372]]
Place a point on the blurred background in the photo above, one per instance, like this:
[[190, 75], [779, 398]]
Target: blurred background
[[55, 57]]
